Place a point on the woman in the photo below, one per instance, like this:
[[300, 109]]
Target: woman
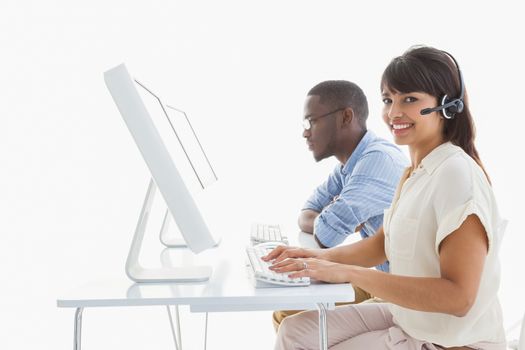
[[441, 233]]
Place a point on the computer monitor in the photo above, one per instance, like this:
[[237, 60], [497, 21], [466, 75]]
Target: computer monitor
[[165, 176]]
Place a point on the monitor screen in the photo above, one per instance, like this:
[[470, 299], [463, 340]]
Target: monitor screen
[[163, 134]]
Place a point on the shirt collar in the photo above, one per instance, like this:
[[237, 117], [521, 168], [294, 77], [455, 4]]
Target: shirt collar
[[438, 156], [358, 152]]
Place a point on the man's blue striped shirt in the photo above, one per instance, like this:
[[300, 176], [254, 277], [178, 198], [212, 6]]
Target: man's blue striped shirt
[[362, 189]]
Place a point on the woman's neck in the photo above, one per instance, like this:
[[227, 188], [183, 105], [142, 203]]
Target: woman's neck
[[420, 151]]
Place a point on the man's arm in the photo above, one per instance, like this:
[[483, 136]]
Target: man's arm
[[306, 223], [367, 191], [323, 196]]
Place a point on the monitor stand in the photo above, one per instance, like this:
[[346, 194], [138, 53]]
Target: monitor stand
[[165, 239], [172, 241], [138, 273]]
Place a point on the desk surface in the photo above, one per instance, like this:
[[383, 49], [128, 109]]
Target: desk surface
[[229, 289], [207, 296]]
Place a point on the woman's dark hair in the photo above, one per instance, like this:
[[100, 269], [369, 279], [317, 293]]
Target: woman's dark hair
[[432, 71]]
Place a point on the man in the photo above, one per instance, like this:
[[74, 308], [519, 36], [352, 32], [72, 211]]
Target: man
[[362, 186]]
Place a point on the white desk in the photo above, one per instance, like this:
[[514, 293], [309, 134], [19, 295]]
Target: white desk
[[229, 289]]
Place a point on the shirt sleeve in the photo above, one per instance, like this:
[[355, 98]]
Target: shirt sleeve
[[462, 190], [364, 194], [325, 193]]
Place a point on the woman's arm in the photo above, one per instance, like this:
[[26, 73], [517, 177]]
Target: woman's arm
[[462, 257], [367, 252]]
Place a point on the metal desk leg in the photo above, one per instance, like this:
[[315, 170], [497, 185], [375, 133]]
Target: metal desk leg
[[176, 336], [323, 330], [206, 331], [78, 329]]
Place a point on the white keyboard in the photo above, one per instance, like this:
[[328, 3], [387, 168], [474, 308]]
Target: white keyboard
[[261, 233], [264, 277]]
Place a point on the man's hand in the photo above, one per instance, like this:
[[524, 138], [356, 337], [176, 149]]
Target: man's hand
[[306, 220]]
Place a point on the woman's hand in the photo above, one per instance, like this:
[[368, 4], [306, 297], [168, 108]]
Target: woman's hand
[[282, 252], [321, 270]]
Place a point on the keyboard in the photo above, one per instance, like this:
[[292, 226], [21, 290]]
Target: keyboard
[[261, 233], [263, 277]]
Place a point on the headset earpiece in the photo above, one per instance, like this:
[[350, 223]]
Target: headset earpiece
[[460, 105], [450, 111], [449, 108]]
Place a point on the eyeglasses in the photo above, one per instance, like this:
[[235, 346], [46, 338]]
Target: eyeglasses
[[307, 122]]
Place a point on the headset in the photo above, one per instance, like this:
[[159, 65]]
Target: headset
[[449, 108]]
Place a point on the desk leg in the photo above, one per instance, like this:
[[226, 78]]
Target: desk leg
[[176, 336], [206, 331], [323, 330], [78, 329]]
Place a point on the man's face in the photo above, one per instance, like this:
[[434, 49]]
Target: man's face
[[320, 138]]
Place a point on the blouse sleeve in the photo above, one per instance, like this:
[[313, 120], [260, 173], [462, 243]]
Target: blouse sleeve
[[462, 190]]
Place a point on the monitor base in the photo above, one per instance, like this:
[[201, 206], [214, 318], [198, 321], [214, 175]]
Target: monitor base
[[137, 273]]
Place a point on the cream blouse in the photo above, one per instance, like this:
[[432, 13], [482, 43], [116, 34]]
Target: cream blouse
[[431, 204]]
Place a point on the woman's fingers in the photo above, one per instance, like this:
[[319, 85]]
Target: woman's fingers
[[285, 266], [310, 267], [277, 251], [290, 265], [283, 252]]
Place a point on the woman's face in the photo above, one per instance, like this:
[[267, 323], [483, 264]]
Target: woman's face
[[402, 114]]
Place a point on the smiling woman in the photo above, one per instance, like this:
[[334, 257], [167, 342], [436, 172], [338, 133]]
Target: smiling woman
[[401, 112], [408, 94], [441, 233]]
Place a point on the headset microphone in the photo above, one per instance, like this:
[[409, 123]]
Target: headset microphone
[[430, 110], [448, 107]]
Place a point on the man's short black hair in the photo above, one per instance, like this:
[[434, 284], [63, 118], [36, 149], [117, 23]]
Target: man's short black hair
[[342, 93]]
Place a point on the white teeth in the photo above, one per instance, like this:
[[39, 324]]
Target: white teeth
[[401, 126]]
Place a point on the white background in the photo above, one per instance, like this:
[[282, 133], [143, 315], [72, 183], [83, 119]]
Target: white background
[[72, 180]]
